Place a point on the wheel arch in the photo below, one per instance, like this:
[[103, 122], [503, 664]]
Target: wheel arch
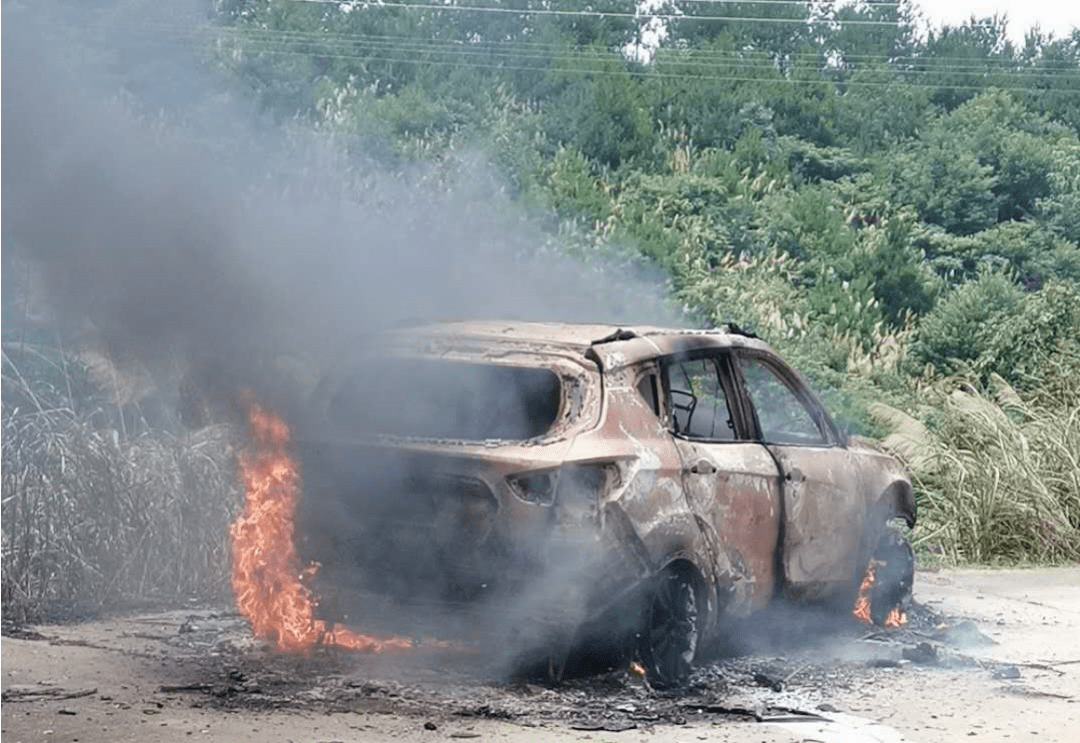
[[900, 496]]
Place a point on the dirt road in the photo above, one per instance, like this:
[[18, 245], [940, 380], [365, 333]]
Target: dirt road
[[197, 675]]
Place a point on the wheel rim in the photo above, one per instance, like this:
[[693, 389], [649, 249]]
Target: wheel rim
[[672, 636]]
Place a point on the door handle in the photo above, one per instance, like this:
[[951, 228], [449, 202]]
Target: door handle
[[703, 467], [795, 475]]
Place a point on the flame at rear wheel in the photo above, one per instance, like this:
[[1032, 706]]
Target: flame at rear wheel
[[267, 579]]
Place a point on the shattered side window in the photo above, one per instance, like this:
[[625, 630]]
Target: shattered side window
[[698, 404], [783, 417], [434, 398]]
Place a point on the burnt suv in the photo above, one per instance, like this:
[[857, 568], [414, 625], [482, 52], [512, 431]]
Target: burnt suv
[[562, 483]]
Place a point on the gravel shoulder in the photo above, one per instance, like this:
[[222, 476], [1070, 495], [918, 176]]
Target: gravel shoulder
[[198, 674]]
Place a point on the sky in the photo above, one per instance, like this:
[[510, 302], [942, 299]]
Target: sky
[[1058, 16]]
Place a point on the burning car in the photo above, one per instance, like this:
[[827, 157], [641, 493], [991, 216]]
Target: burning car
[[585, 481]]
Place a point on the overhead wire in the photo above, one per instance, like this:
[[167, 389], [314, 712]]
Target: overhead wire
[[658, 74], [598, 13], [704, 64], [472, 54], [994, 65], [324, 36]]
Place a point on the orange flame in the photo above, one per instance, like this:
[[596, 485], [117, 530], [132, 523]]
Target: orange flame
[[267, 578], [895, 618]]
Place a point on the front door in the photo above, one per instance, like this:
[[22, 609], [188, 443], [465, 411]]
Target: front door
[[823, 510]]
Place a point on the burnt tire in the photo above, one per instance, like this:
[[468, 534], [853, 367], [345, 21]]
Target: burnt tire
[[893, 578], [669, 639]]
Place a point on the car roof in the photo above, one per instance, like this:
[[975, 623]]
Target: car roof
[[614, 345]]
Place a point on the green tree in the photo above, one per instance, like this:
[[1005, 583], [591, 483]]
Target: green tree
[[1051, 70], [960, 61], [601, 111], [943, 179], [959, 334]]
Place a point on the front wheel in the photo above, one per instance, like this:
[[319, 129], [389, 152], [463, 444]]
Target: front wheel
[[670, 637], [893, 577]]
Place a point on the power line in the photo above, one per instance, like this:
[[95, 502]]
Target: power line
[[804, 3], [988, 66], [994, 65], [267, 41], [605, 14], [763, 63], [656, 74]]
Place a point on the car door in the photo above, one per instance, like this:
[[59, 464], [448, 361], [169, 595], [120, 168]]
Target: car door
[[731, 482], [823, 510]]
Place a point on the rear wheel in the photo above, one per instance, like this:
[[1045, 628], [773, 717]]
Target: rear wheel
[[670, 638]]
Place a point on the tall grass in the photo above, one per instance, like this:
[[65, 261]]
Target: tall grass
[[92, 519], [999, 477]]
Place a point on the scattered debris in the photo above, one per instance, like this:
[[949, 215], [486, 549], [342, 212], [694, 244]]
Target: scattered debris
[[17, 631], [771, 682], [21, 693], [964, 634], [924, 653], [607, 726], [216, 664]]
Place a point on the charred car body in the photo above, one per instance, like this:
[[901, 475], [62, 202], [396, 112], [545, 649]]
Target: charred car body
[[647, 481]]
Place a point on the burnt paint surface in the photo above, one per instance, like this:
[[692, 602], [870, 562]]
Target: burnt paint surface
[[734, 487]]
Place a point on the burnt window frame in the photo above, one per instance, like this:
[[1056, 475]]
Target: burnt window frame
[[651, 371], [819, 415], [724, 365]]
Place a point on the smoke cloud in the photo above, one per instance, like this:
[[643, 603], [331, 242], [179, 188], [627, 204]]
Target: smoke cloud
[[158, 207]]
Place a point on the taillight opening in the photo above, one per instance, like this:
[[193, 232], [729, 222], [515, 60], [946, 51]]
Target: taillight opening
[[537, 488], [575, 483]]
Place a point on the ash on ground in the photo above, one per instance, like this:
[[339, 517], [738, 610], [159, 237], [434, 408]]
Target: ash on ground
[[209, 658]]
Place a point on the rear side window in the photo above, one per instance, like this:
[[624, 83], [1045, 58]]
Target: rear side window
[[648, 388], [432, 398], [699, 406]]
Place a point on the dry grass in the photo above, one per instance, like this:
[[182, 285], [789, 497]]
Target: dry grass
[[93, 520], [999, 477]]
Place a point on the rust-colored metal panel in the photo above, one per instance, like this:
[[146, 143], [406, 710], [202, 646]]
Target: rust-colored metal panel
[[734, 487], [825, 515], [651, 495]]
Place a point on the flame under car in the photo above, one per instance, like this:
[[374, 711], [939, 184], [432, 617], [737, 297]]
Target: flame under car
[[583, 481]]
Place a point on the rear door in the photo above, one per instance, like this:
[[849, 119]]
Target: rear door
[[731, 483], [823, 510]]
